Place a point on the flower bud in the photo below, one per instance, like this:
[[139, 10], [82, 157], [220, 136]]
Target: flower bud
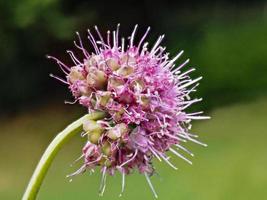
[[118, 114], [115, 83], [138, 85], [92, 62], [117, 131], [106, 148], [93, 136], [128, 60], [75, 75], [93, 130], [144, 100], [125, 71], [103, 97], [113, 64], [104, 161], [91, 125], [96, 78]]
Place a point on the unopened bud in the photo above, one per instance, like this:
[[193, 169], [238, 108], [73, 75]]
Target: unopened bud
[[125, 71], [103, 97], [138, 85], [115, 83], [144, 100], [92, 62], [96, 78], [104, 161], [118, 114], [91, 125], [75, 75], [94, 136], [117, 131], [106, 148], [113, 64], [128, 60]]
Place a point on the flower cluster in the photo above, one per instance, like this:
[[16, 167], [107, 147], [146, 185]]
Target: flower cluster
[[144, 96]]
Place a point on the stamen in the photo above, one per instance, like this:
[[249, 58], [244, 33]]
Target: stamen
[[86, 54], [150, 185], [156, 44], [181, 66], [103, 182], [74, 59], [60, 79], [126, 162], [167, 161], [122, 44], [154, 153], [132, 36], [92, 40], [108, 38], [117, 34], [122, 184], [100, 36], [190, 83], [59, 62], [180, 156], [183, 148], [143, 38]]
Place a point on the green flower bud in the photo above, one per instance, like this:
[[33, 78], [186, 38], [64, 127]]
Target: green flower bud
[[93, 130], [105, 161], [91, 125], [92, 62], [96, 78], [144, 100], [125, 71], [117, 131], [106, 148], [103, 97], [93, 136], [115, 82], [75, 74], [113, 64]]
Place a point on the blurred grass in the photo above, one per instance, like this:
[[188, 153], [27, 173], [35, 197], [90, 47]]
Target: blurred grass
[[232, 167]]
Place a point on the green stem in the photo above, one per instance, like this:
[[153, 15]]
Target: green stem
[[51, 151]]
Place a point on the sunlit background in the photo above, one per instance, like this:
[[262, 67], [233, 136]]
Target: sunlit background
[[225, 40]]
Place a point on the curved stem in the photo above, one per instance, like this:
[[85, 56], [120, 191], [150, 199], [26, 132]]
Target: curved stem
[[51, 151]]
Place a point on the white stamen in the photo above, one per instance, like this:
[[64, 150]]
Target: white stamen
[[150, 185], [59, 79], [86, 54], [186, 150], [189, 83], [74, 59], [144, 36], [180, 156], [122, 184], [103, 182], [174, 59], [126, 162], [132, 36], [181, 66], [168, 162], [156, 44]]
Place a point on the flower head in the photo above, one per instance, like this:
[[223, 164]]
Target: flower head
[[144, 96]]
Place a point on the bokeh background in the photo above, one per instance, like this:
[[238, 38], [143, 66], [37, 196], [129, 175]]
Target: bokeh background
[[227, 43]]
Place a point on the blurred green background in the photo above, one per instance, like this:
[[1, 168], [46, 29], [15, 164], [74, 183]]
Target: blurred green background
[[225, 40]]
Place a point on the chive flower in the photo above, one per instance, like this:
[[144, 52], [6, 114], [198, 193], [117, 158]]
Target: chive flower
[[144, 96]]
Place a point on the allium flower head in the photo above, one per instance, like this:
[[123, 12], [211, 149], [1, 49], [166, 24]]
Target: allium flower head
[[144, 96]]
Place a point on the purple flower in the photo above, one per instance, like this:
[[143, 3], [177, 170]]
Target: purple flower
[[144, 96]]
